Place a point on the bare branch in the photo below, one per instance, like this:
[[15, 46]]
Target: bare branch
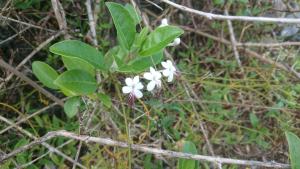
[[136, 147], [36, 50], [91, 22], [60, 17], [233, 42], [237, 18], [5, 65], [49, 147], [25, 23]]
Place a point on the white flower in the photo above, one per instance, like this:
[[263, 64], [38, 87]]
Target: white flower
[[133, 87], [175, 42], [169, 70], [154, 77], [164, 22]]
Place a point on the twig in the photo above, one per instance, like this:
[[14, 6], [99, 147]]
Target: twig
[[24, 23], [136, 147], [247, 51], [36, 50], [237, 18], [91, 22], [13, 36], [5, 65], [49, 147], [233, 42], [30, 116], [60, 17]]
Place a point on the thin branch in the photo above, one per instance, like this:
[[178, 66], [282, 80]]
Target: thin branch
[[5, 65], [36, 50], [60, 17], [49, 147], [91, 22], [247, 51], [25, 23], [15, 35], [141, 148], [233, 42], [237, 18]]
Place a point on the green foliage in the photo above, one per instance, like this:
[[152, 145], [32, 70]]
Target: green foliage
[[74, 48], [76, 82], [105, 99], [133, 13], [71, 106], [45, 73], [294, 149], [159, 39], [77, 63], [188, 147], [124, 23]]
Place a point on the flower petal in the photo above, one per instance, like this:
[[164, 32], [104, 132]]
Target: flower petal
[[152, 70], [139, 86], [164, 64], [136, 80], [128, 81], [138, 94], [166, 72], [148, 76], [157, 75], [151, 86], [170, 64], [126, 89], [170, 77]]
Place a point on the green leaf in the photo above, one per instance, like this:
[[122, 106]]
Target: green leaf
[[77, 63], [254, 120], [294, 149], [71, 106], [141, 37], [159, 39], [141, 64], [133, 13], [124, 24], [188, 147], [76, 82], [78, 49], [45, 73], [105, 99]]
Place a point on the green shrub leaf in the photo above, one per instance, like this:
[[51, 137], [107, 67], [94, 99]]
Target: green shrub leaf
[[78, 49], [124, 24], [133, 13], [71, 106], [294, 149], [188, 147], [45, 73], [105, 99], [76, 82], [77, 63], [141, 64], [159, 39]]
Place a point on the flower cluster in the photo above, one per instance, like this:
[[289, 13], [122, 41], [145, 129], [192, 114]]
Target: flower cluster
[[134, 86]]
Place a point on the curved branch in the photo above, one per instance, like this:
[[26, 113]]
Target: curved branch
[[136, 147]]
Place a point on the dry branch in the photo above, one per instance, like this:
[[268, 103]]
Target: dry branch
[[247, 51], [49, 147], [60, 17], [36, 50], [136, 147], [25, 23], [91, 22], [237, 18], [5, 65]]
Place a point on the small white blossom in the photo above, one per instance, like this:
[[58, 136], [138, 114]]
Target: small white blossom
[[154, 77], [133, 87], [169, 70], [164, 22], [175, 42]]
